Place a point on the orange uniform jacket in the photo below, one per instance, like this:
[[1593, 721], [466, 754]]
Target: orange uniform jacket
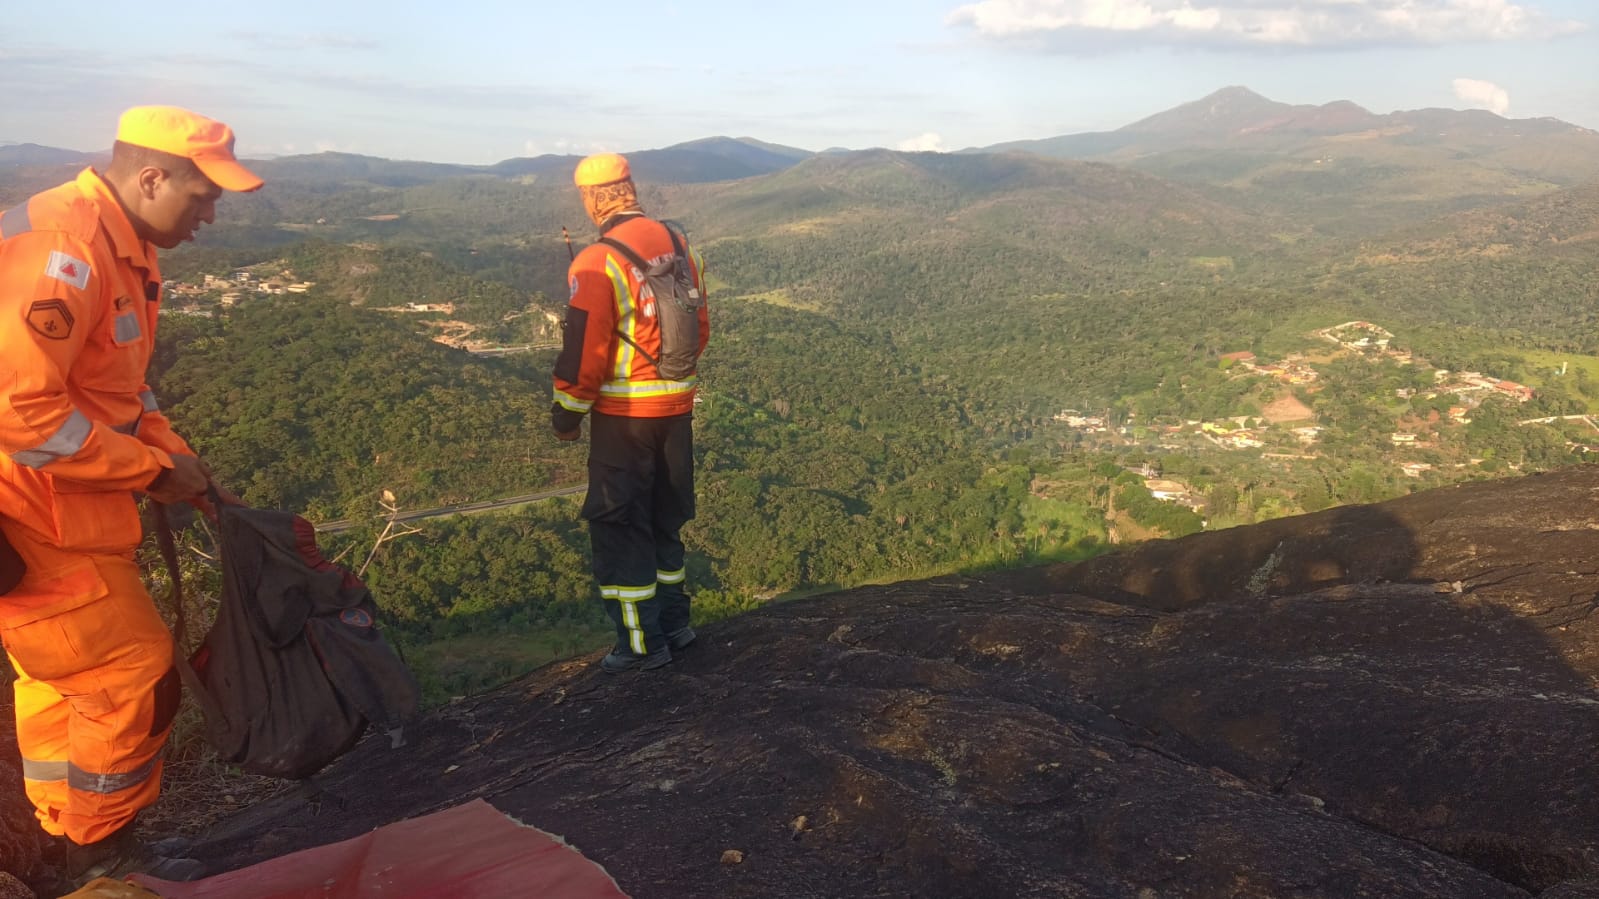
[[599, 371], [79, 428]]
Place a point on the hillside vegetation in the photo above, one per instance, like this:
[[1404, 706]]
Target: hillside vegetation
[[920, 363]]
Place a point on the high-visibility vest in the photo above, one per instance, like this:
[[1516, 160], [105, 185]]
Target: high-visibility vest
[[611, 337]]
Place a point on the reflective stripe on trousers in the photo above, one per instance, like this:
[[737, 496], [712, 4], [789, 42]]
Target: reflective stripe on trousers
[[94, 703], [627, 613], [78, 779]]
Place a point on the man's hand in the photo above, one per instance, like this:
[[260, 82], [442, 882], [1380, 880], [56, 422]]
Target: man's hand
[[203, 503], [184, 481], [566, 424]]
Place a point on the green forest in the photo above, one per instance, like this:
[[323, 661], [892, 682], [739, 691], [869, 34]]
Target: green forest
[[895, 337]]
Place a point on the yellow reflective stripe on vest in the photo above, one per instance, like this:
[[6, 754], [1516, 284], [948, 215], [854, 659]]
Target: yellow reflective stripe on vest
[[640, 389], [626, 321]]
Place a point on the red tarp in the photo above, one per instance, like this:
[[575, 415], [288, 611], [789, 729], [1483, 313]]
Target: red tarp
[[461, 853]]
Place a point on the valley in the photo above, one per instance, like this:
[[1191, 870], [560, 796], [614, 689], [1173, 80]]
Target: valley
[[921, 363]]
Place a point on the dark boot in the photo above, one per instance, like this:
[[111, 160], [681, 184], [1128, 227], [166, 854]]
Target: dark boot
[[618, 661], [122, 853], [680, 639]]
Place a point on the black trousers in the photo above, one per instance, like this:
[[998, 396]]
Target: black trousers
[[641, 493]]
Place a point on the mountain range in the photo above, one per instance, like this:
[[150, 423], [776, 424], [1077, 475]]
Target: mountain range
[[1234, 119]]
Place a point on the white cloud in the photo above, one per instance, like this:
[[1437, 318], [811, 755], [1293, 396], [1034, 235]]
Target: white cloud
[[1261, 23], [1486, 94], [922, 143]]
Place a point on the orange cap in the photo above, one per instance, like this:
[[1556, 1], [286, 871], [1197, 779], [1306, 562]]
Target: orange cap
[[208, 143], [601, 168]]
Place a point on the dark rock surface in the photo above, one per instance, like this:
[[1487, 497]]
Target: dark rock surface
[[1389, 701], [21, 840]]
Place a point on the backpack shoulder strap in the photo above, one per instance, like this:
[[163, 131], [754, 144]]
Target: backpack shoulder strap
[[675, 230], [642, 266], [631, 254]]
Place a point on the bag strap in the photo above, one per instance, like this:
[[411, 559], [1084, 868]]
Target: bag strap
[[180, 659], [637, 260], [677, 241], [638, 263]]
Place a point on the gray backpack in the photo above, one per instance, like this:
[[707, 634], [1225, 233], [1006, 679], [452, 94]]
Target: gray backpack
[[669, 283]]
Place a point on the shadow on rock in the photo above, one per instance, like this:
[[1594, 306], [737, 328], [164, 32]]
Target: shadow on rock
[[1387, 701]]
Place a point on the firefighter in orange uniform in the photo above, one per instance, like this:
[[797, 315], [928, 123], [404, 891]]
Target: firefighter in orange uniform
[[641, 435], [80, 434]]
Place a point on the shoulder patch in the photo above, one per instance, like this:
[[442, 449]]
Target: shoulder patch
[[68, 268], [51, 318]]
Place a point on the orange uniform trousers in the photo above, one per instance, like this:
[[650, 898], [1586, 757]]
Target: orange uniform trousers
[[95, 690]]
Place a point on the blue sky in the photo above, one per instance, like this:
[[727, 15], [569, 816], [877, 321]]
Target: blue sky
[[474, 81]]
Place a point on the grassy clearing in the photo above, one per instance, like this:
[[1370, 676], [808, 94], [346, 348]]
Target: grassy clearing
[[460, 666], [1543, 368], [1544, 363], [781, 297]]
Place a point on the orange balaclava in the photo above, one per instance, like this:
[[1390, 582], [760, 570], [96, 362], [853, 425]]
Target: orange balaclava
[[606, 184]]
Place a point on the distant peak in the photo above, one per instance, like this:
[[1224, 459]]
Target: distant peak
[[1235, 92], [1222, 112]]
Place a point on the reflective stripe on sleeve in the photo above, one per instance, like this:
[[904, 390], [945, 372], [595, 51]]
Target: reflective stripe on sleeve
[[572, 403], [129, 428], [89, 782], [68, 440], [15, 221], [669, 577], [147, 400], [35, 770]]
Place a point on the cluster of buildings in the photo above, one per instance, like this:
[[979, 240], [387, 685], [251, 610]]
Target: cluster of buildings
[[1235, 436], [233, 288], [1363, 337], [1291, 370], [1091, 424], [1469, 385], [1472, 385], [1174, 492], [1357, 336]]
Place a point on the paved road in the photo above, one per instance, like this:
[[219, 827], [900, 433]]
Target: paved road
[[333, 527], [505, 350]]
